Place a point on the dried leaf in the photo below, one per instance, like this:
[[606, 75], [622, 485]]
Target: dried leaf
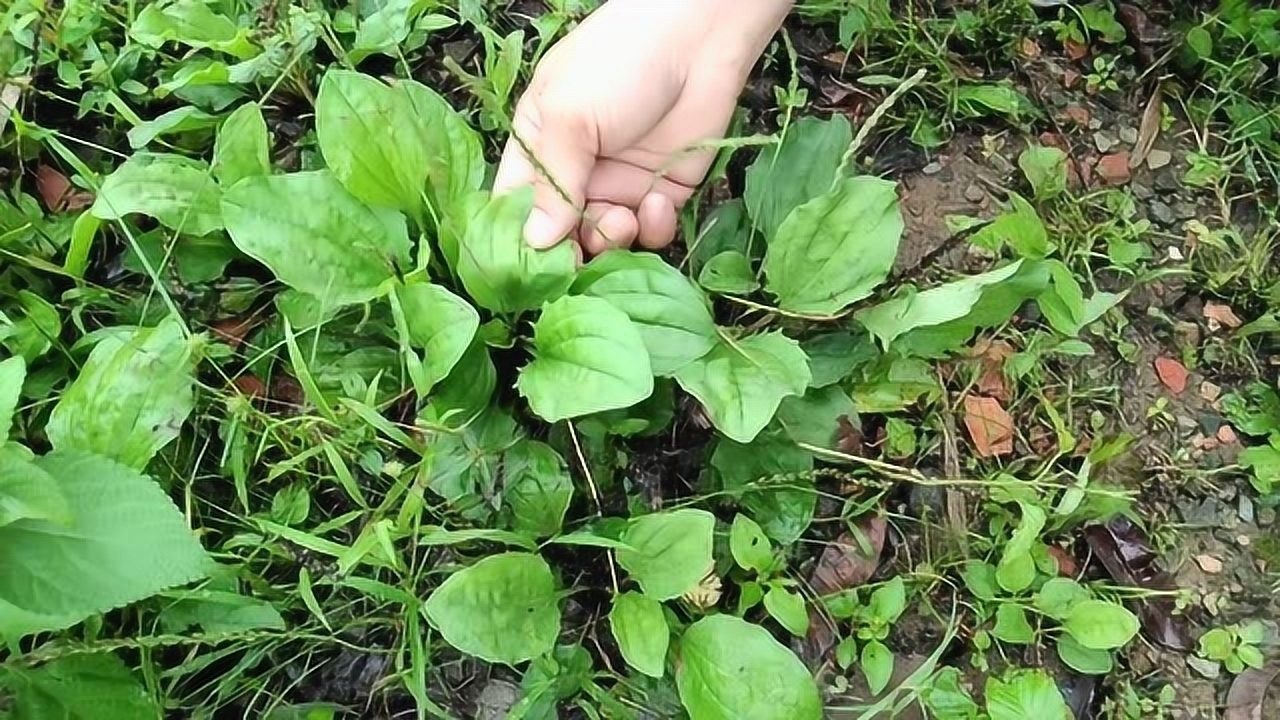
[[990, 426], [58, 193], [1124, 551], [849, 561], [233, 330], [1149, 130], [9, 96], [1221, 314], [1248, 692], [1172, 374]]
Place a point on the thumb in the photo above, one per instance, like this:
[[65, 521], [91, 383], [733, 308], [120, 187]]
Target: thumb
[[554, 152]]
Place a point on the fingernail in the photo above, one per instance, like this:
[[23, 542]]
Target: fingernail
[[541, 230]]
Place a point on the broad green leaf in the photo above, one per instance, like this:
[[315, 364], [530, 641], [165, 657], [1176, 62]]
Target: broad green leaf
[[467, 389], [126, 542], [835, 249], [742, 381], [947, 699], [726, 229], [372, 140], [175, 122], [984, 100], [817, 416], [216, 612], [798, 170], [499, 269], [1058, 595], [504, 609], [730, 669], [196, 259], [787, 607], [980, 579], [943, 304], [1082, 659], [1065, 306], [640, 629], [538, 488], [192, 23], [384, 29], [455, 166], [1012, 625], [1017, 568], [1021, 229], [1046, 170], [877, 666], [835, 356], [1100, 625], [79, 687], [751, 471], [131, 397], [1025, 694], [178, 192], [243, 146], [28, 493], [669, 553], [12, 374], [30, 328], [315, 236], [672, 315], [588, 357], [729, 272], [749, 545], [440, 323]]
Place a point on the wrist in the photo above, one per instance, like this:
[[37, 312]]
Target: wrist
[[740, 30]]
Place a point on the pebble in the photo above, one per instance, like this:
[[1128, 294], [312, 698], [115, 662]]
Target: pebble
[[1095, 124], [974, 193], [1166, 179], [932, 168], [1185, 210], [1210, 392], [1227, 435], [1162, 213], [1158, 158], [1142, 192], [1206, 668], [1244, 540], [1113, 169], [1209, 564], [1266, 517], [1103, 141], [1128, 135], [1244, 508]]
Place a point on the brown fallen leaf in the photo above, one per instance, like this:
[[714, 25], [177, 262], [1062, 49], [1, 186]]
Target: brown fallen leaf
[[1123, 549], [1075, 50], [1249, 692], [250, 385], [1149, 129], [1221, 314], [1067, 565], [849, 438], [1172, 374], [58, 193], [990, 426], [847, 563], [233, 330]]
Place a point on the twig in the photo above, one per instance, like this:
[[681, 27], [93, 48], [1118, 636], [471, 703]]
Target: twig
[[595, 495]]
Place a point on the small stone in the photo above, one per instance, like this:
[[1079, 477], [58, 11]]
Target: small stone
[[1209, 564], [1167, 180], [1185, 210], [1174, 253], [496, 699], [1210, 392], [1173, 375], [974, 193], [1244, 508], [932, 168], [1128, 135], [1244, 540], [1206, 668], [1113, 169], [1142, 192], [1209, 424], [1078, 114], [1103, 141], [1095, 124], [1162, 213], [1158, 158], [1227, 436], [1266, 517]]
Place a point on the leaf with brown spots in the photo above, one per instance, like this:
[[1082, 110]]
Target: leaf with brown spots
[[1172, 374], [990, 426]]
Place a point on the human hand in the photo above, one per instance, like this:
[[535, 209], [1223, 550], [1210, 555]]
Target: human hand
[[616, 113]]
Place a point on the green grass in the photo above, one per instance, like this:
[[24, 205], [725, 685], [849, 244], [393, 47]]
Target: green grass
[[365, 398]]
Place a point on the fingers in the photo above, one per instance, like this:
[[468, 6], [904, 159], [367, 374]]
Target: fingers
[[563, 149], [657, 218], [608, 226]]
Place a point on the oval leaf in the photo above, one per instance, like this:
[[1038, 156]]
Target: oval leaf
[[732, 670], [670, 312], [669, 553], [742, 382], [788, 609], [499, 269], [588, 358], [1101, 625], [641, 632], [503, 609], [835, 249], [243, 146], [315, 236], [440, 323], [176, 191]]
